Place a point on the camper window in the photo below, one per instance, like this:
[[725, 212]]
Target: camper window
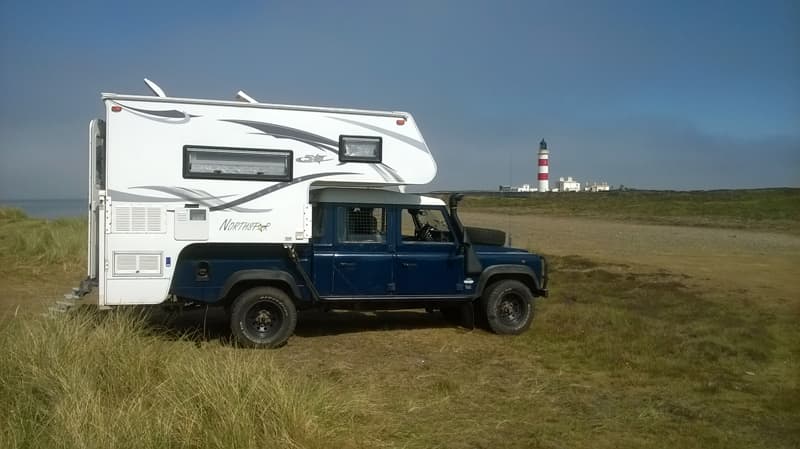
[[237, 163], [360, 149]]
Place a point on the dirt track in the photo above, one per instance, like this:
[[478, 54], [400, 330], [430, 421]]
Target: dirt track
[[762, 263]]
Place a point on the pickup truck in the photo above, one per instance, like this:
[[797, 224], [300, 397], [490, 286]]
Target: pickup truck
[[370, 249]]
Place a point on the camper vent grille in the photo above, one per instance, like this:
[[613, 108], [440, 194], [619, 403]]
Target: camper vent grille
[[138, 220], [150, 263], [125, 263], [137, 264]]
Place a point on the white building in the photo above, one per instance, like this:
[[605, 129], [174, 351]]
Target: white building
[[568, 185], [597, 187], [526, 188]]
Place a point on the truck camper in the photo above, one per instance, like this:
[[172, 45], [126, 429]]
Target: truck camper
[[267, 209]]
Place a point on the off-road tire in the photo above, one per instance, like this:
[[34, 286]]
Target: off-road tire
[[508, 307], [263, 317]]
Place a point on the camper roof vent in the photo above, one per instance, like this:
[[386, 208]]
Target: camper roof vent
[[159, 92], [242, 96]]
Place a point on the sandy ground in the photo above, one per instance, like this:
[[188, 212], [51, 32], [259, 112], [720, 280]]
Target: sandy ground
[[765, 264]]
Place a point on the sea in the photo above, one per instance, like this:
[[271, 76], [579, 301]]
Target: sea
[[50, 209]]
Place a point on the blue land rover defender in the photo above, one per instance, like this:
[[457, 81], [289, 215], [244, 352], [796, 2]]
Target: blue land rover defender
[[371, 250]]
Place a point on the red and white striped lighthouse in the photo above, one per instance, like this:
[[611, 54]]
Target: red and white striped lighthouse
[[544, 168]]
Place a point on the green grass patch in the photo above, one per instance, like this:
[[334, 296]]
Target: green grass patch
[[93, 380], [769, 209], [615, 358], [33, 245]]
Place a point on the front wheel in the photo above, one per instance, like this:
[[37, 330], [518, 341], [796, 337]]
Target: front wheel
[[263, 317], [508, 305]]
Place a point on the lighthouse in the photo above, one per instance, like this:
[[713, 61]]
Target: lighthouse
[[544, 169]]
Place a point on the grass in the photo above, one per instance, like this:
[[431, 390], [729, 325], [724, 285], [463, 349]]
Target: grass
[[616, 357], [766, 209], [90, 381], [33, 245], [39, 258]]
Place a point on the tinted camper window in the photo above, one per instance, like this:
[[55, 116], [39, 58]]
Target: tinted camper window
[[237, 163], [360, 149]]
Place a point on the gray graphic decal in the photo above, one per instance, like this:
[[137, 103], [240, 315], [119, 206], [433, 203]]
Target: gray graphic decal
[[285, 132], [320, 142], [180, 194], [398, 136], [167, 116], [309, 158], [384, 174], [274, 188], [392, 172], [170, 113]]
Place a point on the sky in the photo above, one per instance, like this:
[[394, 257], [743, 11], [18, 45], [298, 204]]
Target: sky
[[664, 95]]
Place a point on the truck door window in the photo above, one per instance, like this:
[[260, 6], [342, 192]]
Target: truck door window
[[362, 224], [317, 222], [424, 225]]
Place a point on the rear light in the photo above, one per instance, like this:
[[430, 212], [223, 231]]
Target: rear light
[[401, 121], [116, 108]]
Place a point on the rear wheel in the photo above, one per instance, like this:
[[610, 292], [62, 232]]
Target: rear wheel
[[508, 306], [263, 317]]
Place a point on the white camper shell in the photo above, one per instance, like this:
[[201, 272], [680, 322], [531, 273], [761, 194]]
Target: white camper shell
[[169, 172]]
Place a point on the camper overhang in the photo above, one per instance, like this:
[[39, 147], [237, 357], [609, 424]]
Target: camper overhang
[[372, 196]]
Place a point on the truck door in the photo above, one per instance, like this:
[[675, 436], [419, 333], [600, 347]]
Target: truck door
[[428, 262], [97, 183], [362, 260]]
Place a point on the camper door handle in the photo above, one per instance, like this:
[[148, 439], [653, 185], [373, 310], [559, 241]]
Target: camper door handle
[[409, 265], [347, 264]]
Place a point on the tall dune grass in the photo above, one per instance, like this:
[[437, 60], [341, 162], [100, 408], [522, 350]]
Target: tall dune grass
[[31, 242], [101, 380], [86, 381]]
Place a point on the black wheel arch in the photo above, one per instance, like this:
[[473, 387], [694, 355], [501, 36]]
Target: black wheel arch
[[522, 273], [245, 279]]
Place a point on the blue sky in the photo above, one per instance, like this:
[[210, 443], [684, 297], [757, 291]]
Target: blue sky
[[677, 95]]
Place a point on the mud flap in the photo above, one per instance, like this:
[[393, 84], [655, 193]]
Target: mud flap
[[468, 315]]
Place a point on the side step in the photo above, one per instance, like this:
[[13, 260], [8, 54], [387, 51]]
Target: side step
[[63, 306], [73, 299], [75, 295]]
